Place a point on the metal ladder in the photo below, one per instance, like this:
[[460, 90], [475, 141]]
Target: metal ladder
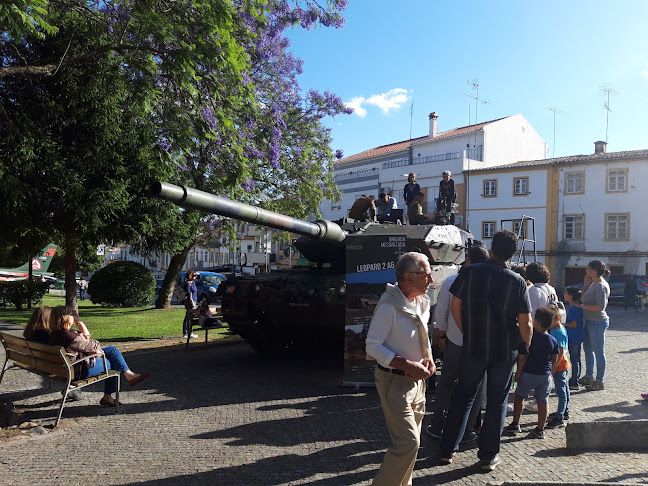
[[525, 232]]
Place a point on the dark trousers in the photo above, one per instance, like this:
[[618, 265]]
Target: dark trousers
[[498, 386]]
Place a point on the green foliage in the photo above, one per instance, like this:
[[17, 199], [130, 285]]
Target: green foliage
[[122, 284], [25, 17], [16, 293]]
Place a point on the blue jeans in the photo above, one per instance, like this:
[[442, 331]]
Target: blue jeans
[[82, 294], [498, 385], [594, 346], [115, 361], [575, 358], [562, 392]]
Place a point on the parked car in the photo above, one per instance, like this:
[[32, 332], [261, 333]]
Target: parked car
[[617, 287], [207, 284]]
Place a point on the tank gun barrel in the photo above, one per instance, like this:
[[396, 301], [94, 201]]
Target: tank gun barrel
[[187, 197]]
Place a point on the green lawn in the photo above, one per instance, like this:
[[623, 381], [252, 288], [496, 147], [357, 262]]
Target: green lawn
[[118, 324]]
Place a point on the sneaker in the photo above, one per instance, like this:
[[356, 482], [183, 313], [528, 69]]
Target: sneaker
[[490, 464], [555, 423], [574, 387], [537, 433], [512, 429], [509, 409], [435, 434], [565, 415], [194, 336], [184, 336], [446, 458], [595, 386], [468, 437], [586, 380], [531, 406]]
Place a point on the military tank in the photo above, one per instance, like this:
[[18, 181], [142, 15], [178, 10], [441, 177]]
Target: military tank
[[331, 300]]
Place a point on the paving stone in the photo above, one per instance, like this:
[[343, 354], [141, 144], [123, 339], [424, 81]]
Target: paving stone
[[219, 415]]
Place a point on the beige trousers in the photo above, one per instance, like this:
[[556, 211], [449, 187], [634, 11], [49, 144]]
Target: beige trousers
[[403, 403]]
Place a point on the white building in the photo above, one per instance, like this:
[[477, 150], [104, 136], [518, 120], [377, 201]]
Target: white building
[[586, 207], [460, 150]]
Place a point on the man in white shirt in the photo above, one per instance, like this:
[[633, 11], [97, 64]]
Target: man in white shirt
[[398, 340]]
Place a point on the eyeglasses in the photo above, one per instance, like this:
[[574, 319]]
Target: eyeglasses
[[427, 275]]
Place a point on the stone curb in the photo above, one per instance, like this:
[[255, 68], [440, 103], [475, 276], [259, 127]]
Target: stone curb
[[617, 436]]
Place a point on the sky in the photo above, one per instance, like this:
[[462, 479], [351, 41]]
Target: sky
[[526, 57]]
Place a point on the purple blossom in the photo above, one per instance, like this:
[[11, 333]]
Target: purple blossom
[[297, 151], [248, 185], [209, 117], [273, 153], [339, 154], [165, 145]]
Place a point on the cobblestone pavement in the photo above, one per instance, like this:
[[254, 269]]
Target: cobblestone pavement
[[220, 414]]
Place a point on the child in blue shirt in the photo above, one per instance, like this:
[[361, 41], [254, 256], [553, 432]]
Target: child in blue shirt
[[533, 371], [575, 332], [560, 373]]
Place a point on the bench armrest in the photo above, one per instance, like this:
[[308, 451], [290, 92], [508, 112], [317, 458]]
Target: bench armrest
[[93, 355]]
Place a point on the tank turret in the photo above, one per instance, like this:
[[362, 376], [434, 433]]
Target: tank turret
[[331, 301]]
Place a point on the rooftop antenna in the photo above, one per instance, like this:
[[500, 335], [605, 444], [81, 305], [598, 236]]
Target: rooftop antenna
[[607, 90], [411, 117], [555, 110], [475, 87]]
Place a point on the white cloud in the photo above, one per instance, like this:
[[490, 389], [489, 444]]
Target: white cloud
[[390, 101], [356, 104]]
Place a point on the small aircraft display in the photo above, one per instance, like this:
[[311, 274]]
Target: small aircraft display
[[40, 263]]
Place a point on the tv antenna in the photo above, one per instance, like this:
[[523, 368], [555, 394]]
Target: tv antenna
[[555, 110], [607, 90], [411, 117], [475, 87]]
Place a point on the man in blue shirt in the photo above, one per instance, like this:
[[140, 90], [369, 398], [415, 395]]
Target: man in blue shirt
[[384, 206]]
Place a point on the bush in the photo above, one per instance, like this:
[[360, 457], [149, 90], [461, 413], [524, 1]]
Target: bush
[[122, 284], [15, 292]]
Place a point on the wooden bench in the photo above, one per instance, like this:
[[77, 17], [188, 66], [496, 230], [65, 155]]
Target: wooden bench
[[51, 362], [195, 325]]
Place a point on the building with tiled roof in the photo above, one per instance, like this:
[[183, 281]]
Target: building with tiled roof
[[459, 150], [584, 207]]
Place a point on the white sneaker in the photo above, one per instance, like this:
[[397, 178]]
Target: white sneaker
[[194, 335], [509, 409], [184, 336], [531, 406]]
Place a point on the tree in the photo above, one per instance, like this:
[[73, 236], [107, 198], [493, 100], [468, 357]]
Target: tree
[[197, 93]]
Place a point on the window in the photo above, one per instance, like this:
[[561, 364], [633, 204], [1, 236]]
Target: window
[[574, 182], [490, 188], [618, 227], [574, 227], [616, 180], [519, 228], [520, 186], [488, 229]]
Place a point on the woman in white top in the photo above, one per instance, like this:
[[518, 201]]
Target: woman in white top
[[540, 292]]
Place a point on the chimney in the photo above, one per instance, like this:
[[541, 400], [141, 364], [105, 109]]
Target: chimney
[[434, 124], [600, 147]]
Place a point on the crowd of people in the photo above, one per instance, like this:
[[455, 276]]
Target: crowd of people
[[497, 327], [368, 208], [61, 326]]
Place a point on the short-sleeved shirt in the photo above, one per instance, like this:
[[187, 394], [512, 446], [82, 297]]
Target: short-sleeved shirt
[[492, 296], [560, 335], [575, 334], [543, 346], [597, 294]]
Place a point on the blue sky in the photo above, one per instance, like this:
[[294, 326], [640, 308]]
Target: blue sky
[[527, 56]]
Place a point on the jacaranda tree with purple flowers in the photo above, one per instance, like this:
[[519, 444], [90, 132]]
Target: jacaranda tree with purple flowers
[[218, 106]]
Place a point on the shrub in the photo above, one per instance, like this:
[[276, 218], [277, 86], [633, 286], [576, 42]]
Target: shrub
[[122, 284], [15, 292]]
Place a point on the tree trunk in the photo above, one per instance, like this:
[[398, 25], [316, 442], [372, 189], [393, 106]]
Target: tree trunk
[[70, 264], [173, 272]]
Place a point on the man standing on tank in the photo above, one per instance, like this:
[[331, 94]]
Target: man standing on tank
[[491, 308], [411, 188], [398, 340]]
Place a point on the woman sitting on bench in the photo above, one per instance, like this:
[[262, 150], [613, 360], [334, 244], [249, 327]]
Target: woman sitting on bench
[[78, 343], [38, 328]]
